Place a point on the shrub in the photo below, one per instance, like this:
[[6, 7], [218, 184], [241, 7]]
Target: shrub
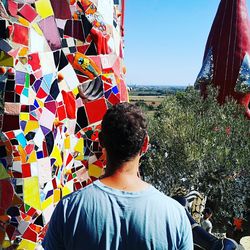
[[199, 144]]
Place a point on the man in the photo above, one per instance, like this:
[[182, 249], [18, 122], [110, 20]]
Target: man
[[120, 211], [206, 223]]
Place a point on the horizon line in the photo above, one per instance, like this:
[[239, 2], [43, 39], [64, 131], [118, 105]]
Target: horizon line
[[161, 84]]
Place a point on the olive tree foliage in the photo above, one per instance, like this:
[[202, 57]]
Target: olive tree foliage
[[196, 143]]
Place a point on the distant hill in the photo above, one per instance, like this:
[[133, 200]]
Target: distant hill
[[154, 90]]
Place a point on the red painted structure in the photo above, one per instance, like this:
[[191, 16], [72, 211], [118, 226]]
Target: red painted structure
[[123, 16], [226, 62]]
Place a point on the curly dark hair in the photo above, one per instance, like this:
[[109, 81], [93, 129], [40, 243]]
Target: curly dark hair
[[124, 129], [207, 210]]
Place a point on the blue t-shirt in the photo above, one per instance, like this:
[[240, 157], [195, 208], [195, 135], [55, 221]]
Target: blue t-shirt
[[100, 217]]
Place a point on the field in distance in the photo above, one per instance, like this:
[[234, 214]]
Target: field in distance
[[150, 97]]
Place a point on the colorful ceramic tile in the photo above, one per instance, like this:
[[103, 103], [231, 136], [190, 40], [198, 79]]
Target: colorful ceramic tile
[[74, 28], [52, 36], [28, 12], [20, 34], [44, 8], [6, 60], [61, 9], [60, 71]]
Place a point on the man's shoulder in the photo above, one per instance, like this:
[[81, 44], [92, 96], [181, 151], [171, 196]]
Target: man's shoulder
[[167, 201], [209, 223], [206, 223], [79, 194]]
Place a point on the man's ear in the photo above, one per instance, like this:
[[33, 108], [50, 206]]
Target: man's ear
[[145, 144], [104, 151], [104, 155]]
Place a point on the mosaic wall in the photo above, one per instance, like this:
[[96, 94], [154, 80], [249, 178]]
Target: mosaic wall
[[61, 68]]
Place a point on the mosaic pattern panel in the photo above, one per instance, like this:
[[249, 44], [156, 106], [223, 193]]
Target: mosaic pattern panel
[[61, 68]]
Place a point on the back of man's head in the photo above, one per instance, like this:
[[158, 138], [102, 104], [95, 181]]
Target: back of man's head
[[207, 212], [124, 129]]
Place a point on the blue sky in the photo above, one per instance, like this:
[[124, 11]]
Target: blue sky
[[165, 39]]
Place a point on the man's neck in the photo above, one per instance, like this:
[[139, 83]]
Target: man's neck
[[126, 177]]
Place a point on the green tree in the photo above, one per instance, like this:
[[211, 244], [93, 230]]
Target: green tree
[[199, 144]]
